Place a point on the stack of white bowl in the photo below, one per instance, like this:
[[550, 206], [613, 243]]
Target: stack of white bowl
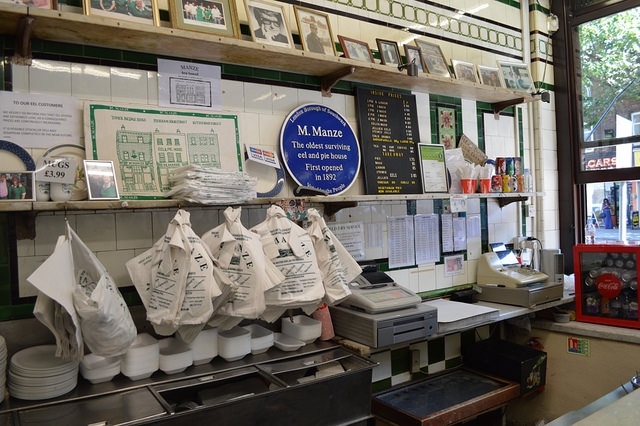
[[3, 367], [36, 373], [261, 338], [175, 356], [301, 327], [99, 369], [234, 344], [142, 359], [205, 346]]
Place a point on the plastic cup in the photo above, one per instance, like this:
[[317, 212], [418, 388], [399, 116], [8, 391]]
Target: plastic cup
[[468, 186], [485, 186]]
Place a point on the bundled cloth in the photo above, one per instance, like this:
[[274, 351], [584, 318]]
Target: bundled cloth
[[82, 305], [202, 185], [291, 250], [337, 266], [240, 255], [179, 282]]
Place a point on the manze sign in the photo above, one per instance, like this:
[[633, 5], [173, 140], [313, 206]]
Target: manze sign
[[320, 149]]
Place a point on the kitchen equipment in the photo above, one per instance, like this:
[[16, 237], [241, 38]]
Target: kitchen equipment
[[528, 296], [385, 328], [234, 344], [376, 292], [552, 264], [301, 327]]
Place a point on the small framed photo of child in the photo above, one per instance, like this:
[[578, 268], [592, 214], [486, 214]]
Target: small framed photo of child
[[101, 180]]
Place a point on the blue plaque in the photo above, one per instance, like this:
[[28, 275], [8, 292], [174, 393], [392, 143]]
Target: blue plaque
[[320, 149]]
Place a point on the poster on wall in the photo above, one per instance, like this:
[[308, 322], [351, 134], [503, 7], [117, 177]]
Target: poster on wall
[[146, 144], [389, 134]]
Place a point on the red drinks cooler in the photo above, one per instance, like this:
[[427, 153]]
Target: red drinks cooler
[[606, 277]]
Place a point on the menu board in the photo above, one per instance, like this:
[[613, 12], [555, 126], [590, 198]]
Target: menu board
[[389, 137]]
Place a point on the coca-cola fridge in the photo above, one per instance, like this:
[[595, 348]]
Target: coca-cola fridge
[[606, 278]]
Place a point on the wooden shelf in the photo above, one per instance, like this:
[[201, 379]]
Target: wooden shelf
[[105, 32], [42, 206]]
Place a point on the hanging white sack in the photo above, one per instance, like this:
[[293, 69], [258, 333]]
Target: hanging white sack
[[54, 303], [291, 250], [239, 253], [337, 266], [178, 281], [107, 327]]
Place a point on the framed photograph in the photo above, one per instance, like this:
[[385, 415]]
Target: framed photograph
[[139, 11], [412, 53], [516, 76], [433, 59], [101, 180], [389, 52], [355, 49], [42, 4], [489, 76], [210, 16], [17, 186], [465, 71], [267, 23], [315, 31]]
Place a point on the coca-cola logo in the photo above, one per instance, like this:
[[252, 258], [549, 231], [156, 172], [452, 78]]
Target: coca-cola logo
[[609, 285]]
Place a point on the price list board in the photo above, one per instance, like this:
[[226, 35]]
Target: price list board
[[389, 139]]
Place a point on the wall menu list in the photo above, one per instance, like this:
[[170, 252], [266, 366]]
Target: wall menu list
[[389, 139]]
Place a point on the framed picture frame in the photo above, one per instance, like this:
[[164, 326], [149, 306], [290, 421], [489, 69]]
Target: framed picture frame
[[465, 71], [101, 180], [355, 49], [209, 16], [433, 59], [17, 186], [41, 4], [516, 76], [489, 76], [138, 11], [267, 23], [315, 31], [389, 52], [412, 53], [434, 167]]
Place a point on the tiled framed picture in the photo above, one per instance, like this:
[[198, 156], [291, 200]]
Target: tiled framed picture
[[210, 16], [516, 76], [268, 24], [489, 76], [315, 31], [433, 59], [138, 11], [355, 49], [464, 71]]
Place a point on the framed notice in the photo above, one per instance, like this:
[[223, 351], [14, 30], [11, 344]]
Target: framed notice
[[389, 136], [433, 167], [147, 144]]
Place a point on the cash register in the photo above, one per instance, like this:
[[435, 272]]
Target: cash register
[[502, 279], [379, 312]]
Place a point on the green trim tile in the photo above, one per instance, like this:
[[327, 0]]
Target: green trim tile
[[435, 350], [452, 363], [400, 361], [381, 385]]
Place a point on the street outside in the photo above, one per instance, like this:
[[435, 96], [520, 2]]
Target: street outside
[[610, 235]]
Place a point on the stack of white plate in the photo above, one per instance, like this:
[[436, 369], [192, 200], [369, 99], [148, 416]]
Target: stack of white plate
[[142, 358], [36, 373], [3, 366]]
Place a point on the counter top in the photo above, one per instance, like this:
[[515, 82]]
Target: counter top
[[607, 332]]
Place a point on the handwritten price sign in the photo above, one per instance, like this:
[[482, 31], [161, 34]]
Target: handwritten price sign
[[56, 169]]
